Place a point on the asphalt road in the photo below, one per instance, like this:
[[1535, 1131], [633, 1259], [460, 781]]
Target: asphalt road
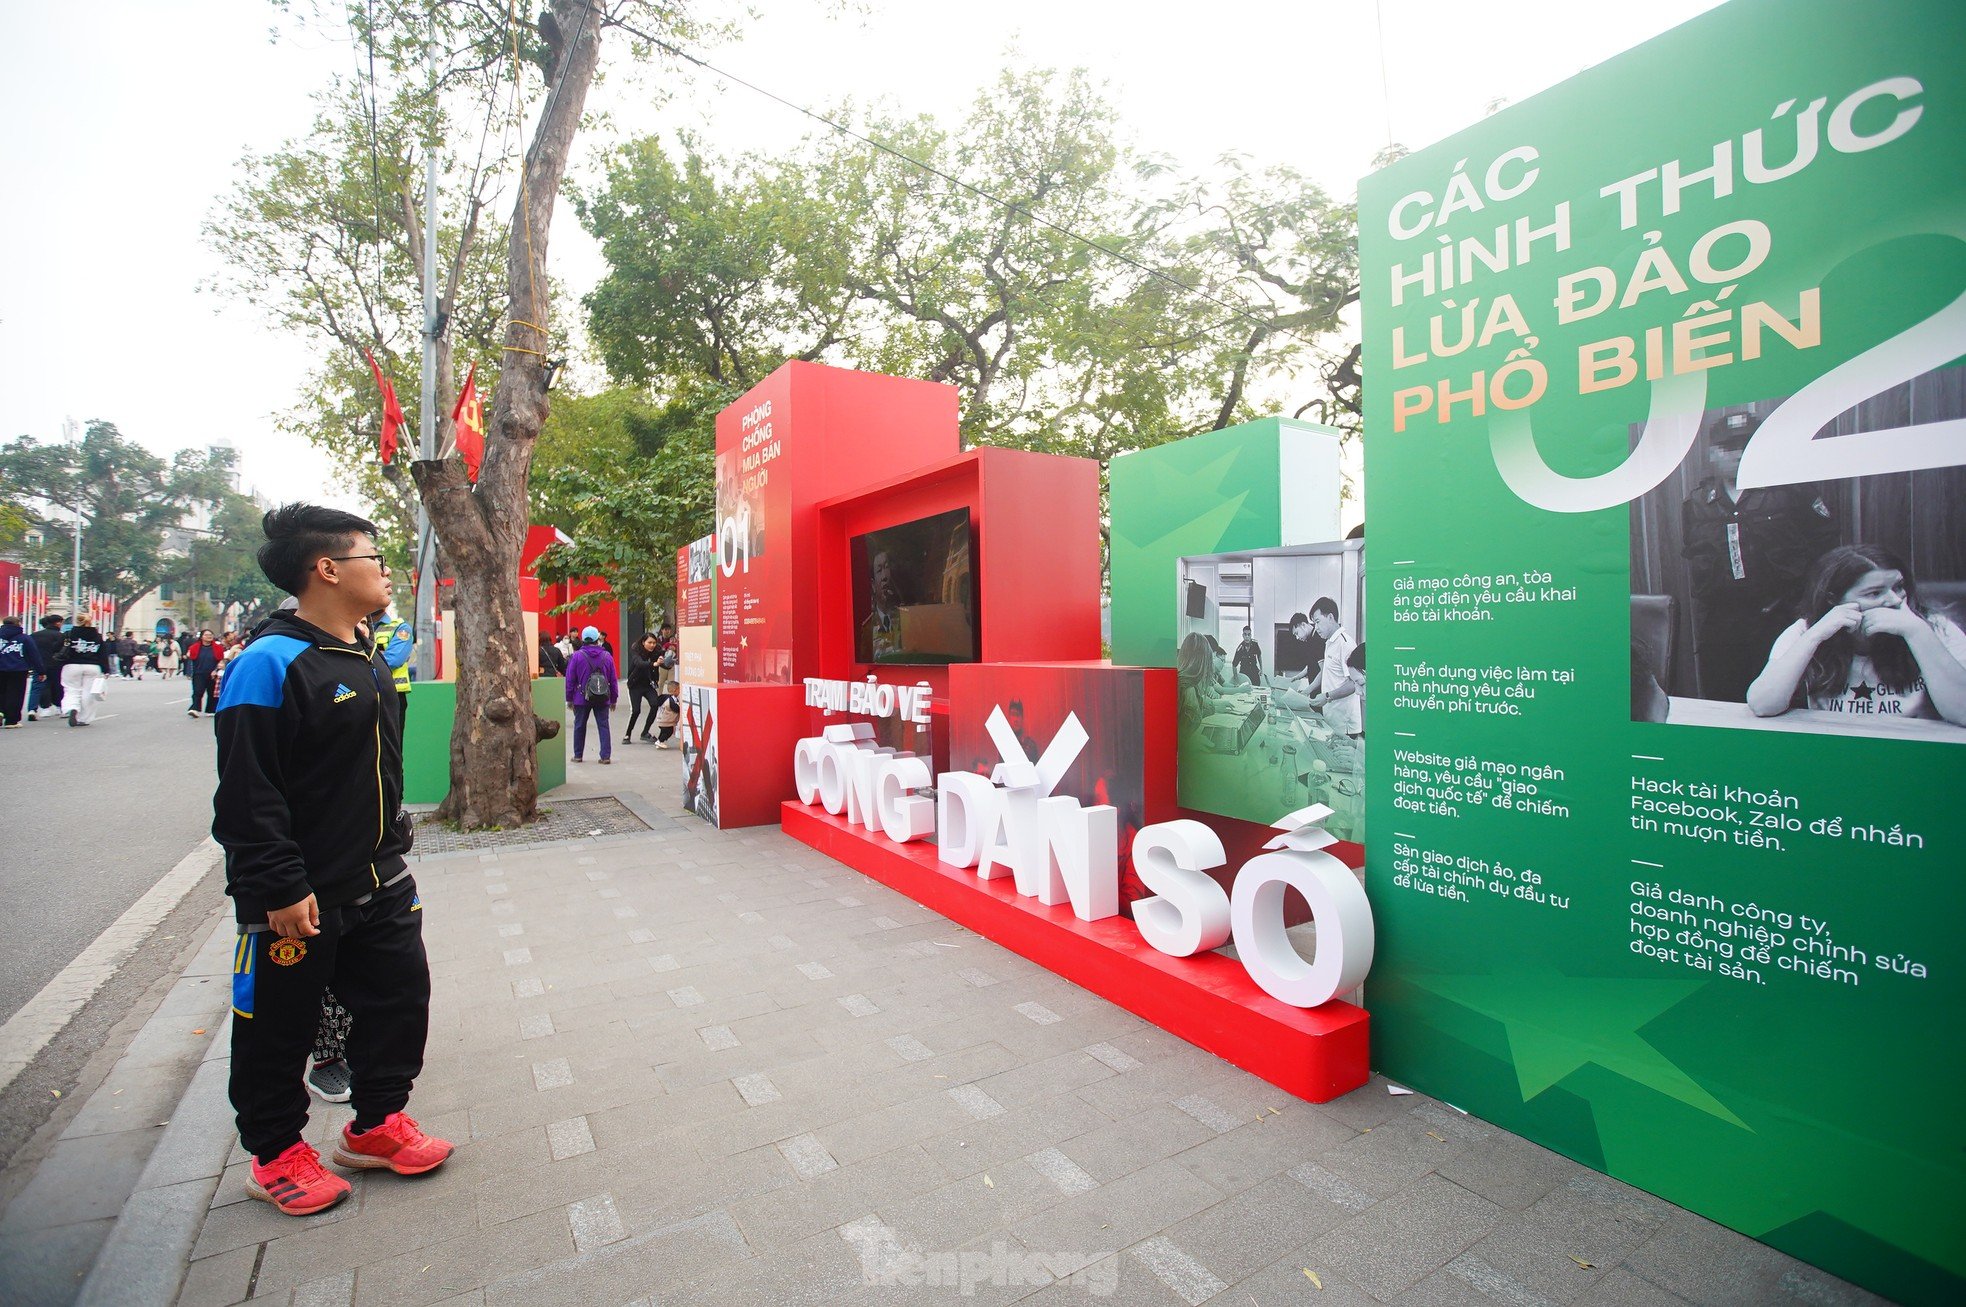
[[92, 819]]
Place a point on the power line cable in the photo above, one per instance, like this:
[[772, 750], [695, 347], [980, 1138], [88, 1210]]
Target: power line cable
[[1121, 256], [366, 89]]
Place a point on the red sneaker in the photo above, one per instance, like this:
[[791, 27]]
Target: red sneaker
[[398, 1143], [296, 1182]]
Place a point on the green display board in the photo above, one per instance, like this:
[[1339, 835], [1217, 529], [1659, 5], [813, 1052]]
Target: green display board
[[1255, 486], [427, 738], [1664, 427]]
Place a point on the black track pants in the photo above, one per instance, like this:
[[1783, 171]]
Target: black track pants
[[372, 956], [638, 701]]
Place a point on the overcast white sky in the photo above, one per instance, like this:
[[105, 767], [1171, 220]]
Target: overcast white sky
[[126, 119]]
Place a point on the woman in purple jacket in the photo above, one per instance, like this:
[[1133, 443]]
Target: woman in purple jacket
[[592, 689]]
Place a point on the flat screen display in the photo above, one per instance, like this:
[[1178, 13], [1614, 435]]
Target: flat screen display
[[914, 592]]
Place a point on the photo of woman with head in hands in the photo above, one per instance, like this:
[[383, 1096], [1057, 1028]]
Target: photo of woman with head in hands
[[1864, 646]]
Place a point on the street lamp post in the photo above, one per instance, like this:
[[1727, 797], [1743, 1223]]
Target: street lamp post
[[72, 431]]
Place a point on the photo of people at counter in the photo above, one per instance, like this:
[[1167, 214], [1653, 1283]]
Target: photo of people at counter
[[1834, 607], [1271, 671]]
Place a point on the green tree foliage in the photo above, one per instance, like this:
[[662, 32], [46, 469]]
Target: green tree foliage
[[1082, 298], [324, 238], [632, 482], [132, 504], [710, 280], [223, 561]]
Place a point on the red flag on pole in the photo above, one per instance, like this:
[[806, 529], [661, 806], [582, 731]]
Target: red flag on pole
[[469, 418], [392, 412]]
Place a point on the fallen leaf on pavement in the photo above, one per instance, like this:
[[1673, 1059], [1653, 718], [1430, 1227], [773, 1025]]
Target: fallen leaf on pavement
[[199, 1031], [989, 1183], [55, 1092], [1311, 1275], [1432, 1135], [1581, 1262]]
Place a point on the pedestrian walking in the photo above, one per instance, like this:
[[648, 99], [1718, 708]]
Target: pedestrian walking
[[20, 664], [310, 772], [200, 662], [551, 661], [641, 686], [126, 655], [167, 657], [44, 695], [592, 689], [84, 662]]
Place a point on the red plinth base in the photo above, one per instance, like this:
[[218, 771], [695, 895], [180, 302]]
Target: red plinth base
[[1208, 1000]]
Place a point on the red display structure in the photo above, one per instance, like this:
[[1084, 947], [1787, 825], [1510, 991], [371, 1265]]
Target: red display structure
[[604, 615], [1316, 1053], [1034, 533], [805, 434]]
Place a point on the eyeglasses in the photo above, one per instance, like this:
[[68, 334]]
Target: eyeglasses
[[349, 558]]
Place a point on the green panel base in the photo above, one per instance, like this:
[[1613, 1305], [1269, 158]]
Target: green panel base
[[427, 738], [1265, 483]]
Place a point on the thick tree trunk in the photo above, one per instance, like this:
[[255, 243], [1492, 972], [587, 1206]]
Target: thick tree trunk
[[494, 771]]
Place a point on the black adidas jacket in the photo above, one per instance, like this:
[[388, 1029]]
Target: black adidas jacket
[[310, 771]]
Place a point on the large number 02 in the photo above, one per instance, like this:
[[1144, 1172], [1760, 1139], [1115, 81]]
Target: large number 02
[[734, 542], [1784, 450]]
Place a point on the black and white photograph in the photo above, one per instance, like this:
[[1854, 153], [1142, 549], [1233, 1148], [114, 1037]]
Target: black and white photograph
[[1271, 673], [1835, 607]]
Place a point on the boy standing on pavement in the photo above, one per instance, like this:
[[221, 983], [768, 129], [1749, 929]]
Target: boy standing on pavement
[[307, 810]]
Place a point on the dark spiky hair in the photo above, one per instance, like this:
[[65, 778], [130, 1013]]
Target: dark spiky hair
[[297, 535]]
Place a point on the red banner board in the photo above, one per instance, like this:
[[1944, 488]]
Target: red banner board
[[803, 434], [694, 589]]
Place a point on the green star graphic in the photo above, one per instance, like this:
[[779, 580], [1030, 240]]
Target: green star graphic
[[1556, 1024], [1169, 505]]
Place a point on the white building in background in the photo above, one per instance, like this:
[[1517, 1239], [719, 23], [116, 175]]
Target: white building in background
[[181, 601]]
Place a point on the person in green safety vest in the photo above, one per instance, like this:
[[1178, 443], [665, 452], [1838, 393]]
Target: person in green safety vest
[[395, 640]]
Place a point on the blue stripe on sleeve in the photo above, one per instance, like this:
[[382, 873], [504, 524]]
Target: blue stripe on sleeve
[[257, 677], [242, 976]]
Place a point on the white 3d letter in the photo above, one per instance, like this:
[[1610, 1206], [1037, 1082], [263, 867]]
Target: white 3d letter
[[833, 763], [965, 814], [861, 766], [805, 768], [1189, 912], [1338, 906], [1080, 858], [904, 814]]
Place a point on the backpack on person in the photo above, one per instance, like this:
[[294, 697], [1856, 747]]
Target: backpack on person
[[595, 687]]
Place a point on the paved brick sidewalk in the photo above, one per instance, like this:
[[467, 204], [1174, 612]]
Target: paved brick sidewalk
[[695, 1067]]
